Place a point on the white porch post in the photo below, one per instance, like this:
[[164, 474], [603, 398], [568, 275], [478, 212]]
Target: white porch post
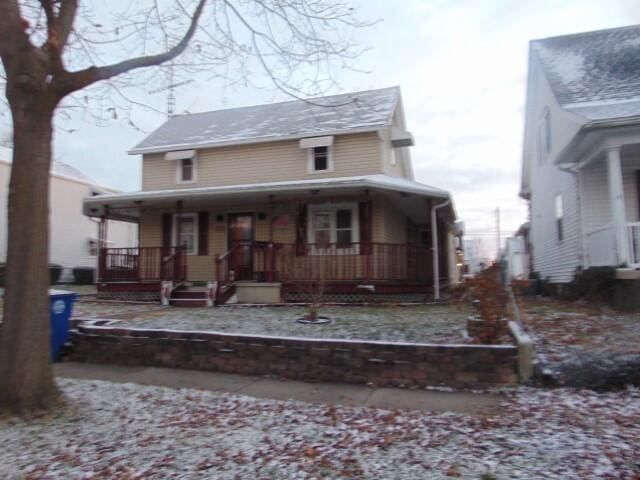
[[616, 199]]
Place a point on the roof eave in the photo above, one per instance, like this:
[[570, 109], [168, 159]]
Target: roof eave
[[250, 141]]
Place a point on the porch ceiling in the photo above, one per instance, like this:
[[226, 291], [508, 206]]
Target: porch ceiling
[[407, 195]]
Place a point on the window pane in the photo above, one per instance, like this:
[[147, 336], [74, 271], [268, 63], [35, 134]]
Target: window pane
[[187, 173], [343, 219], [559, 207], [321, 220], [343, 236], [321, 158]]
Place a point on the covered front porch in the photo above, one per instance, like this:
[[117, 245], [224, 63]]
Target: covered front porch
[[358, 236], [609, 191]]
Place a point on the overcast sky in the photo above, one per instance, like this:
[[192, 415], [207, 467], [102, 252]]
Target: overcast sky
[[461, 65]]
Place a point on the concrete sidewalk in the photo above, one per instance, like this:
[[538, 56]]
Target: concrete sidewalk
[[261, 387]]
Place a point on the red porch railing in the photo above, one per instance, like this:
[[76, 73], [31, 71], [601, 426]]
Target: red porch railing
[[333, 262], [142, 264]]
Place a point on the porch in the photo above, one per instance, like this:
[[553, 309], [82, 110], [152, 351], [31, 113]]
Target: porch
[[609, 190], [361, 235], [333, 269]]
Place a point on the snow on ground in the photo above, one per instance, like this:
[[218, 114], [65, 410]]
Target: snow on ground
[[135, 432], [419, 323], [562, 328], [583, 344], [90, 308]]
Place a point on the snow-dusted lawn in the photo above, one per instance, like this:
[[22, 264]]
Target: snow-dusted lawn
[[420, 323], [137, 432], [562, 329], [90, 308]]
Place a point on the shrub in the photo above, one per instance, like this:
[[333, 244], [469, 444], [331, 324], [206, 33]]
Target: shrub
[[54, 273], [83, 275], [488, 296], [596, 284]]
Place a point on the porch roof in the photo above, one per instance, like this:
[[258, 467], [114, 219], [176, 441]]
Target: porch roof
[[126, 206]]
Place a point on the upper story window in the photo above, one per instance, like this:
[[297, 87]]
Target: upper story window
[[320, 159], [186, 165], [392, 157], [544, 135], [186, 170], [559, 212], [320, 153]]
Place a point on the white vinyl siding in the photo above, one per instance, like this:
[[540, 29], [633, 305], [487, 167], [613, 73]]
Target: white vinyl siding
[[553, 260]]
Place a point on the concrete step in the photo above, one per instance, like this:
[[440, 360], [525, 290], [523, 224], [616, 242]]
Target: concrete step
[[189, 294], [187, 302]]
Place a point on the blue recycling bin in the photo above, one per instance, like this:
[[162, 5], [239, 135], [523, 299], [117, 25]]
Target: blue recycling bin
[[61, 304]]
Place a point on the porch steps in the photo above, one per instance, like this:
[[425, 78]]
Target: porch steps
[[188, 297]]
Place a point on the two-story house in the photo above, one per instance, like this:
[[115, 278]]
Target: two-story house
[[263, 201], [581, 156]]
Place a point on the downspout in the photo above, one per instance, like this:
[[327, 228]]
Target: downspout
[[434, 243]]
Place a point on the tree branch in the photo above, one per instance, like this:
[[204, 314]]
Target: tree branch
[[12, 30], [66, 17], [73, 81]]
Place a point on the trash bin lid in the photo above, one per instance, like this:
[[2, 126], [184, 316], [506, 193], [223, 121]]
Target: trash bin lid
[[53, 291]]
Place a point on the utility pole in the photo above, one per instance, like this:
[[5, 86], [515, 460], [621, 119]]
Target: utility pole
[[497, 234]]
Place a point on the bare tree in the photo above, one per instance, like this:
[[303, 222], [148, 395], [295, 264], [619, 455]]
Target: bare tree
[[64, 56]]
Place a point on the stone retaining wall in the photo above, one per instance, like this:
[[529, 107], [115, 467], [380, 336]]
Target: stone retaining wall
[[378, 363]]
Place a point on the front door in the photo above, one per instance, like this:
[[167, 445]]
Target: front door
[[241, 235]]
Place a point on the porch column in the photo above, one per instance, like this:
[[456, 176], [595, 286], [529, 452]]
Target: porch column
[[616, 199]]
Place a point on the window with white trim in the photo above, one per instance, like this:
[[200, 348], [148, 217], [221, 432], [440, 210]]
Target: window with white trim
[[186, 170], [320, 159], [559, 213], [392, 158], [334, 225], [188, 236]]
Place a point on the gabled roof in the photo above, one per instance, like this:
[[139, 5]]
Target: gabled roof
[[594, 74], [346, 113]]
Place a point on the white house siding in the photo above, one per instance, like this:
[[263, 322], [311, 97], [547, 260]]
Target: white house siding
[[595, 196], [595, 192], [552, 259], [630, 165], [70, 231]]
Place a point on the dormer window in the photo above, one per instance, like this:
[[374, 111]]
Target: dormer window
[[320, 153]]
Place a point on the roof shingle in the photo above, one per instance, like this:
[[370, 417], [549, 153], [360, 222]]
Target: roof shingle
[[326, 115], [600, 67]]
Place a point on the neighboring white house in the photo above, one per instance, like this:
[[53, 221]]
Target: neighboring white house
[[581, 154], [474, 257], [516, 259], [73, 236]]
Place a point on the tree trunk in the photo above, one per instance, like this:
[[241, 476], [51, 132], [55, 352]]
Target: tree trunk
[[26, 376]]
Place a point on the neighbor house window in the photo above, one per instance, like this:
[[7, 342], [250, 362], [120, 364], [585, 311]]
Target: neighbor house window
[[334, 225], [185, 232], [320, 159], [186, 170], [544, 135], [559, 217], [392, 157]]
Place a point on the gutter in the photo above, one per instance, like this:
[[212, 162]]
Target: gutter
[[261, 188]]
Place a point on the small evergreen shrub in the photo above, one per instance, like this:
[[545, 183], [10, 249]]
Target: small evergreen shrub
[[83, 275]]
